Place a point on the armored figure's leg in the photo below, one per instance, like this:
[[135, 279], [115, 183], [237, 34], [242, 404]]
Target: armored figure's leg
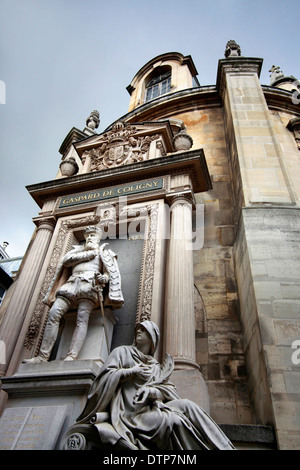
[[84, 309], [58, 309]]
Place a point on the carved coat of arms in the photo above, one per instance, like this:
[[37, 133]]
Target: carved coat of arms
[[122, 145]]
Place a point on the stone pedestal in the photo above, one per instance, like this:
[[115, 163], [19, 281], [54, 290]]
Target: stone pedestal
[[95, 345], [31, 428], [43, 401]]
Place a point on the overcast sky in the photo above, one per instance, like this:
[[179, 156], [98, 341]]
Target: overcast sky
[[61, 59]]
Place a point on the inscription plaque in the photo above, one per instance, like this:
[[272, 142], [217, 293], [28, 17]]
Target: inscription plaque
[[108, 193], [31, 428]]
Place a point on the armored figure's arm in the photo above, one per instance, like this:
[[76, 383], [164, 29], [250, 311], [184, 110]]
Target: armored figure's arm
[[76, 256]]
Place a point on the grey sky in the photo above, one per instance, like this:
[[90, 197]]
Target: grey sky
[[60, 59]]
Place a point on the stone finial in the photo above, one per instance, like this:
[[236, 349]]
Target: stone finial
[[93, 120], [232, 49], [182, 141], [276, 74], [68, 167]]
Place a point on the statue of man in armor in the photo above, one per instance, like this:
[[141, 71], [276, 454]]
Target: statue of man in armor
[[92, 264]]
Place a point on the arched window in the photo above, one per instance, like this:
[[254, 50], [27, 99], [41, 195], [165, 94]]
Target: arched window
[[158, 85]]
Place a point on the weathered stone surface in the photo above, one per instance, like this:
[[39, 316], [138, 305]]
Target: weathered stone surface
[[31, 428], [270, 314]]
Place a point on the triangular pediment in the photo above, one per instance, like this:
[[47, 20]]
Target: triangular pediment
[[126, 143]]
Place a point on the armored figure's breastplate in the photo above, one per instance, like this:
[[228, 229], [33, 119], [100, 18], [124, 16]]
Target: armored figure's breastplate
[[93, 266]]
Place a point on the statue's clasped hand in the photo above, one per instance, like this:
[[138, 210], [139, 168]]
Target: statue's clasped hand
[[147, 393], [141, 372]]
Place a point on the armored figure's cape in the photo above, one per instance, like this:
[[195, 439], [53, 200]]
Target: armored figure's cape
[[109, 259]]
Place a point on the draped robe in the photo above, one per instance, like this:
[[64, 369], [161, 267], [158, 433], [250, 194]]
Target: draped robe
[[169, 423]]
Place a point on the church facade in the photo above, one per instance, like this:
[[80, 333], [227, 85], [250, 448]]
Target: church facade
[[197, 190]]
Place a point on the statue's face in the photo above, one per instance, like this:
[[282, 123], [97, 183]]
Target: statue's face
[[142, 337], [92, 240]]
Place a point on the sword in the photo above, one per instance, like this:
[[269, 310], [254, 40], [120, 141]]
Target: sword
[[99, 289]]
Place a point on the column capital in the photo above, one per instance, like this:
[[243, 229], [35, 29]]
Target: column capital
[[181, 197], [47, 223]]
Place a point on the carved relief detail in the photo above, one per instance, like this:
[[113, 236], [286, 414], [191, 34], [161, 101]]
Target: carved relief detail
[[150, 248], [121, 146]]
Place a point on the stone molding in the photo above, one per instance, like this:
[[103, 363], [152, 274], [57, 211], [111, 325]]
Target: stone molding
[[46, 223], [192, 162]]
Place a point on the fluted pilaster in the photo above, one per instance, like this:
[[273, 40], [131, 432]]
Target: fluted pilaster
[[16, 312]]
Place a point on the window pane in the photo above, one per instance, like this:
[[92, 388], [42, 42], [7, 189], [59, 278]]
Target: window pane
[[148, 94], [165, 86], [155, 91], [159, 85]]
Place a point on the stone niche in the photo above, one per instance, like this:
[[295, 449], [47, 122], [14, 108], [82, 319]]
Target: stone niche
[[139, 231], [119, 323], [137, 250]]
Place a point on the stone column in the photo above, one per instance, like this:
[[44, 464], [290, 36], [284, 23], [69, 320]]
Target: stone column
[[15, 315], [179, 322]]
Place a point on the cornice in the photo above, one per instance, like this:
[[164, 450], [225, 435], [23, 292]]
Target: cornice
[[280, 99], [170, 105], [173, 103], [73, 136], [193, 162]]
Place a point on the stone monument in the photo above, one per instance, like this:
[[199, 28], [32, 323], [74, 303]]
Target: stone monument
[[139, 188], [133, 405]]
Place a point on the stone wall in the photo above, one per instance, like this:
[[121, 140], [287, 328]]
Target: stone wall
[[219, 348], [268, 266]]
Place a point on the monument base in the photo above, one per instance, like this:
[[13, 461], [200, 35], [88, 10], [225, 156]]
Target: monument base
[[60, 389]]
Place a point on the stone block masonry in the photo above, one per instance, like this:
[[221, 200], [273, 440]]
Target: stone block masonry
[[267, 256]]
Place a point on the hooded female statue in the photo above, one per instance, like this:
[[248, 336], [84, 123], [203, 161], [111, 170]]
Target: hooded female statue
[[133, 401]]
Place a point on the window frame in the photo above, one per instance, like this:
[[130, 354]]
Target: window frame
[[158, 85]]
